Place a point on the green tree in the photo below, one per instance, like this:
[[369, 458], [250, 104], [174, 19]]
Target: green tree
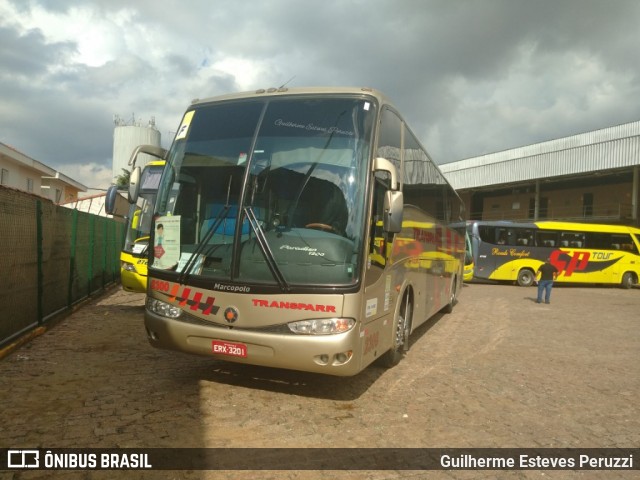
[[122, 180]]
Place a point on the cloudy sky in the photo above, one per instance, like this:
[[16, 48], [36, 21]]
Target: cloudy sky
[[470, 76]]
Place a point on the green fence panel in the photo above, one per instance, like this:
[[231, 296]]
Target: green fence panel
[[52, 258], [18, 263], [57, 227]]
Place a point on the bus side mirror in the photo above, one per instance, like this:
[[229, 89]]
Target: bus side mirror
[[468, 259], [134, 185], [110, 200], [382, 164], [134, 178], [393, 209]]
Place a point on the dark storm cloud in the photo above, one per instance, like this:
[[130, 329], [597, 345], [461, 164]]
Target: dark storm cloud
[[470, 76], [27, 54]]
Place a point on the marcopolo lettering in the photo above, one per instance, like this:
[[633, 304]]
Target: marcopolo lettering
[[257, 302], [231, 288]]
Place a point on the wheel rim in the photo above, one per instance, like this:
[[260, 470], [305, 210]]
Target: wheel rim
[[404, 326], [400, 332], [526, 278]]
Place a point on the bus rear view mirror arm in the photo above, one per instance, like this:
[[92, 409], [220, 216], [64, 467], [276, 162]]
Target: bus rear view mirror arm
[[382, 164], [153, 150]]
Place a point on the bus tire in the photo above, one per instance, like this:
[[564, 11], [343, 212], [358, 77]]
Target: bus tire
[[526, 277], [629, 279], [402, 325], [453, 297]]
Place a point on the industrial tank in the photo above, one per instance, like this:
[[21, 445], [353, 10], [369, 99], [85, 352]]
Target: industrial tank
[[127, 135]]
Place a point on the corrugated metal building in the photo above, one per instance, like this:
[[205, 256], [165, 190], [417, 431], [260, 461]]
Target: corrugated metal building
[[592, 176]]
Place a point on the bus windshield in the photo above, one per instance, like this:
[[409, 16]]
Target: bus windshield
[[267, 191], [141, 213]]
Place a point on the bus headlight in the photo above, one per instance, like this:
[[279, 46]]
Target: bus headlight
[[128, 267], [162, 308], [322, 326]]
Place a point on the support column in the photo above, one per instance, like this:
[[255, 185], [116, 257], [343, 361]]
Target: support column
[[634, 194], [536, 208]]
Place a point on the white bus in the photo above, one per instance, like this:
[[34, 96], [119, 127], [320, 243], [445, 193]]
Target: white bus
[[304, 229]]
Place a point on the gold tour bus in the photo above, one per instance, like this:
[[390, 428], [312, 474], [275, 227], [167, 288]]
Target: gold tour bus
[[582, 252], [275, 228], [144, 187]]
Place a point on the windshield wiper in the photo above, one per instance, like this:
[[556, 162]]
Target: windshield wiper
[[192, 261], [263, 243]]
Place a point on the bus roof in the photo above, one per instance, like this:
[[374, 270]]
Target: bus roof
[[586, 227], [284, 91], [558, 225], [155, 163]]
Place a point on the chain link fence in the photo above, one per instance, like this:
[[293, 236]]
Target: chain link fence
[[51, 258]]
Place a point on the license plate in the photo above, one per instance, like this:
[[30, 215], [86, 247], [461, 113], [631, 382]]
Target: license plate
[[229, 348]]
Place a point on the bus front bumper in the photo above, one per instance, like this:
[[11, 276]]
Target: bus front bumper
[[133, 281], [337, 354]]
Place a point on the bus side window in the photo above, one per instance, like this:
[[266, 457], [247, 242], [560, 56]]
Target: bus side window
[[524, 237], [546, 238], [502, 237], [486, 234], [572, 239], [377, 253], [623, 242]]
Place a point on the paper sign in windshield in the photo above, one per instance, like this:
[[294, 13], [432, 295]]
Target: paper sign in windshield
[[166, 242]]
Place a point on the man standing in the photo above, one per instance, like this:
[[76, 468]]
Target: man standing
[[548, 274]]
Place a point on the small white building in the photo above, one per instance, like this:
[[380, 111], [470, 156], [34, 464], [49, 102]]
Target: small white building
[[22, 172]]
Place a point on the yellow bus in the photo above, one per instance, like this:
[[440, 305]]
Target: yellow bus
[[144, 187], [304, 229], [582, 252], [469, 265]]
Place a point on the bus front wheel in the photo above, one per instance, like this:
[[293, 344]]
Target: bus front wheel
[[629, 279], [453, 297], [526, 277], [401, 334]]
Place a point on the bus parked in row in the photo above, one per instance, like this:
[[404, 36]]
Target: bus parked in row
[[582, 252], [144, 188], [304, 229], [469, 265]]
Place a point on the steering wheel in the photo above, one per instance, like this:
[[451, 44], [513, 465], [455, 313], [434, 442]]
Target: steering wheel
[[321, 226]]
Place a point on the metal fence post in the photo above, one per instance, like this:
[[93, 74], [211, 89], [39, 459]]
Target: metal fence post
[[105, 241], [72, 258], [92, 225], [40, 258]]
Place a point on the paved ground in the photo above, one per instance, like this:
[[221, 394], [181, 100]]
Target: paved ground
[[501, 371]]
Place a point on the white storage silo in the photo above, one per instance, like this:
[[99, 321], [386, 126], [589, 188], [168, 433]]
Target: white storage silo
[[126, 137]]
